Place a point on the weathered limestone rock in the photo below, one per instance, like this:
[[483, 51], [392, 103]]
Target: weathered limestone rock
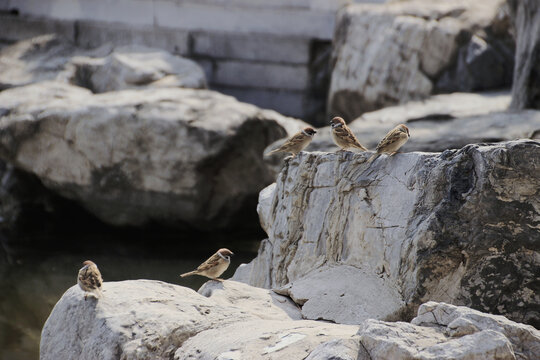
[[459, 321], [526, 84], [50, 57], [149, 319], [443, 331], [176, 156], [443, 122], [459, 226], [135, 67], [146, 319], [392, 53], [33, 60], [337, 300]]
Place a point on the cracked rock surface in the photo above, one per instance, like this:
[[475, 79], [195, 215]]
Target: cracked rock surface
[[462, 226], [385, 54], [174, 156], [144, 319]]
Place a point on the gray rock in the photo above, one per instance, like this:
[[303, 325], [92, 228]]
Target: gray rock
[[37, 59], [442, 122], [392, 53], [146, 319], [405, 341], [136, 67], [458, 226], [348, 349], [175, 156], [51, 57], [150, 319], [479, 66], [338, 301], [525, 86], [435, 334], [459, 321]]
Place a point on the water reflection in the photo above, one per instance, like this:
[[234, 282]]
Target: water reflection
[[31, 282]]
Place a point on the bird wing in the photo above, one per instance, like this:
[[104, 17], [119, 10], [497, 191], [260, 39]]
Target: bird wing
[[90, 277], [347, 135], [390, 138], [210, 263], [293, 142]]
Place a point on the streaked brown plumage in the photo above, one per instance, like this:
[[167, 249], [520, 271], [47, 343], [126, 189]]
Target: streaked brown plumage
[[343, 136], [391, 143], [297, 142], [214, 266], [89, 279]]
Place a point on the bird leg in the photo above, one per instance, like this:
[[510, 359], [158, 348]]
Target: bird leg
[[394, 153]]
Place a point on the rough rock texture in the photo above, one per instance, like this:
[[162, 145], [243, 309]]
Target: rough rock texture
[[50, 57], [153, 320], [178, 156], [135, 67], [333, 301], [228, 320], [443, 331], [460, 226], [443, 122], [395, 52], [526, 84]]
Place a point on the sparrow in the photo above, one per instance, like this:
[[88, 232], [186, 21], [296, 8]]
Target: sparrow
[[297, 142], [214, 266], [90, 280], [391, 143], [343, 136]]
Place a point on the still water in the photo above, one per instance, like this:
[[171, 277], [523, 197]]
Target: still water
[[33, 279]]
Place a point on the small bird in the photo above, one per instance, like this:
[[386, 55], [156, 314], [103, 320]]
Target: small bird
[[343, 136], [90, 280], [297, 142], [214, 266], [391, 143]]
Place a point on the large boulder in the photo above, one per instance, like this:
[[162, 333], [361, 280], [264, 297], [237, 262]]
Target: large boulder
[[145, 319], [174, 156], [459, 226], [51, 57], [149, 319], [441, 122], [385, 54]]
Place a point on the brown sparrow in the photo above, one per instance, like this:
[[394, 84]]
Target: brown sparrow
[[90, 280], [343, 136], [214, 266], [391, 143], [297, 143]]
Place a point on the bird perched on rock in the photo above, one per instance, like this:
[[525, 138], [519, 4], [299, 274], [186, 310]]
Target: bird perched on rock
[[296, 143], [214, 266], [90, 280], [343, 136], [391, 143]]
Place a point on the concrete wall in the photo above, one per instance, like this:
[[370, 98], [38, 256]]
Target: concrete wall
[[270, 53]]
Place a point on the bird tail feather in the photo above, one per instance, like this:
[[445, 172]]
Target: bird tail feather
[[373, 157], [272, 152], [99, 293], [189, 273]]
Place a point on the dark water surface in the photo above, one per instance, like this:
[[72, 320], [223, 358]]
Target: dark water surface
[[33, 278]]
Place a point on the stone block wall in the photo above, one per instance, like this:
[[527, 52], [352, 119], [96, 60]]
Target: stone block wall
[[272, 54]]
